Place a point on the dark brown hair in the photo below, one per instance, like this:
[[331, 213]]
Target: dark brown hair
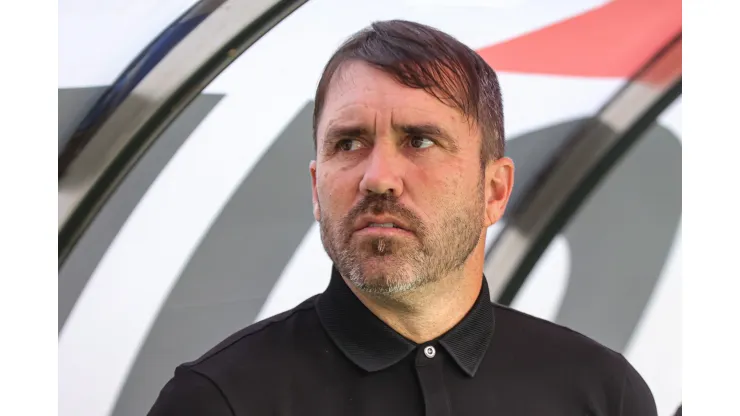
[[419, 56]]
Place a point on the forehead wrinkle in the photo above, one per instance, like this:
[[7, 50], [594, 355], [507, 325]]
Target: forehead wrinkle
[[344, 115]]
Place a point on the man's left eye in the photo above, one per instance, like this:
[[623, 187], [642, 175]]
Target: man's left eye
[[420, 142]]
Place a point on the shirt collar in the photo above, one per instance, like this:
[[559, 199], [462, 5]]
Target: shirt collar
[[373, 345]]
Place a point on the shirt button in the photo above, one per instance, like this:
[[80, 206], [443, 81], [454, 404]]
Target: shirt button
[[430, 351]]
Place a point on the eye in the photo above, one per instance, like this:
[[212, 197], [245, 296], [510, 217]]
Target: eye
[[420, 142], [348, 145]]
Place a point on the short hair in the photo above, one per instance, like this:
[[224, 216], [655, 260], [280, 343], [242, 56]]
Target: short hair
[[419, 56]]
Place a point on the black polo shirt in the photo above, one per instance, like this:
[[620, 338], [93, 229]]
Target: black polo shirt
[[331, 356]]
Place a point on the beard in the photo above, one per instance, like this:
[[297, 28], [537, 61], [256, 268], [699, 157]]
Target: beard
[[393, 265]]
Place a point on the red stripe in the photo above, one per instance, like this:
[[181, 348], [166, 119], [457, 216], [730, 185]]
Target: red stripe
[[613, 40]]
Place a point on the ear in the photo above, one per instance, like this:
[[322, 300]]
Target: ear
[[314, 193], [499, 181]]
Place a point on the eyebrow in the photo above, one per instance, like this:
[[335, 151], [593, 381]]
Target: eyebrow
[[341, 132]]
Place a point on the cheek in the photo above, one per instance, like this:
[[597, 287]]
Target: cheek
[[335, 193], [434, 191], [442, 190], [440, 179]]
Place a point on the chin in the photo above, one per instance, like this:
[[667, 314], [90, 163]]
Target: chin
[[384, 275]]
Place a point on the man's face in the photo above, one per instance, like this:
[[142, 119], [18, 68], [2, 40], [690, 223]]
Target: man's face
[[389, 154]]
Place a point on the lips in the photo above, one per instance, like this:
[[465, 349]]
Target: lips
[[374, 230], [384, 225], [380, 223]]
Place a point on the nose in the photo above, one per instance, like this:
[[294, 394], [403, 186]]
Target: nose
[[383, 172]]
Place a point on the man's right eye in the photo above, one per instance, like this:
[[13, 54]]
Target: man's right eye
[[348, 145]]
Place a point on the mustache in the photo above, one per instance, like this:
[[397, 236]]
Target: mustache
[[378, 204]]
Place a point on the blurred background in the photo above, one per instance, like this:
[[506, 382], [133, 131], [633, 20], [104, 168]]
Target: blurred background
[[184, 194]]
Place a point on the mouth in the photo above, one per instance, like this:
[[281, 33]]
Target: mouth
[[382, 227], [382, 231]]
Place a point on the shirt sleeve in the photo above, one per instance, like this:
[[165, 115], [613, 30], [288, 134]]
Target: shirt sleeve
[[190, 393], [637, 399]]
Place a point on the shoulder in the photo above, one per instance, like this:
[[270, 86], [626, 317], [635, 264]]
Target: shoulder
[[540, 336], [260, 338], [209, 381], [190, 393], [607, 377]]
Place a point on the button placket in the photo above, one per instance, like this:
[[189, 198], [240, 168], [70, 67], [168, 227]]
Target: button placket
[[429, 369]]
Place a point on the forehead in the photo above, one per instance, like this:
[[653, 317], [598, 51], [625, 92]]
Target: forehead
[[358, 91]]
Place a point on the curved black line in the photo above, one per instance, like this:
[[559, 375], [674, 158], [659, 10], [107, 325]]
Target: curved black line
[[588, 125], [90, 204], [86, 255], [584, 189], [130, 77], [243, 253]]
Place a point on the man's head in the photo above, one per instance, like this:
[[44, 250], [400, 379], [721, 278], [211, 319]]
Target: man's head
[[408, 127]]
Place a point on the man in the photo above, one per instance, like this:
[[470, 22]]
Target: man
[[408, 176]]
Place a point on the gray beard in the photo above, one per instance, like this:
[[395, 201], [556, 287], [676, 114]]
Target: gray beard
[[437, 254]]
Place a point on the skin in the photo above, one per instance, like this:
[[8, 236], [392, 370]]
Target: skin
[[387, 152]]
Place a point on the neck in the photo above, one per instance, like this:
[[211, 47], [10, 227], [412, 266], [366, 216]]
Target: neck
[[430, 311]]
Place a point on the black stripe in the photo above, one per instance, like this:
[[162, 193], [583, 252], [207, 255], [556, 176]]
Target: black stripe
[[226, 282], [85, 256], [620, 241]]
